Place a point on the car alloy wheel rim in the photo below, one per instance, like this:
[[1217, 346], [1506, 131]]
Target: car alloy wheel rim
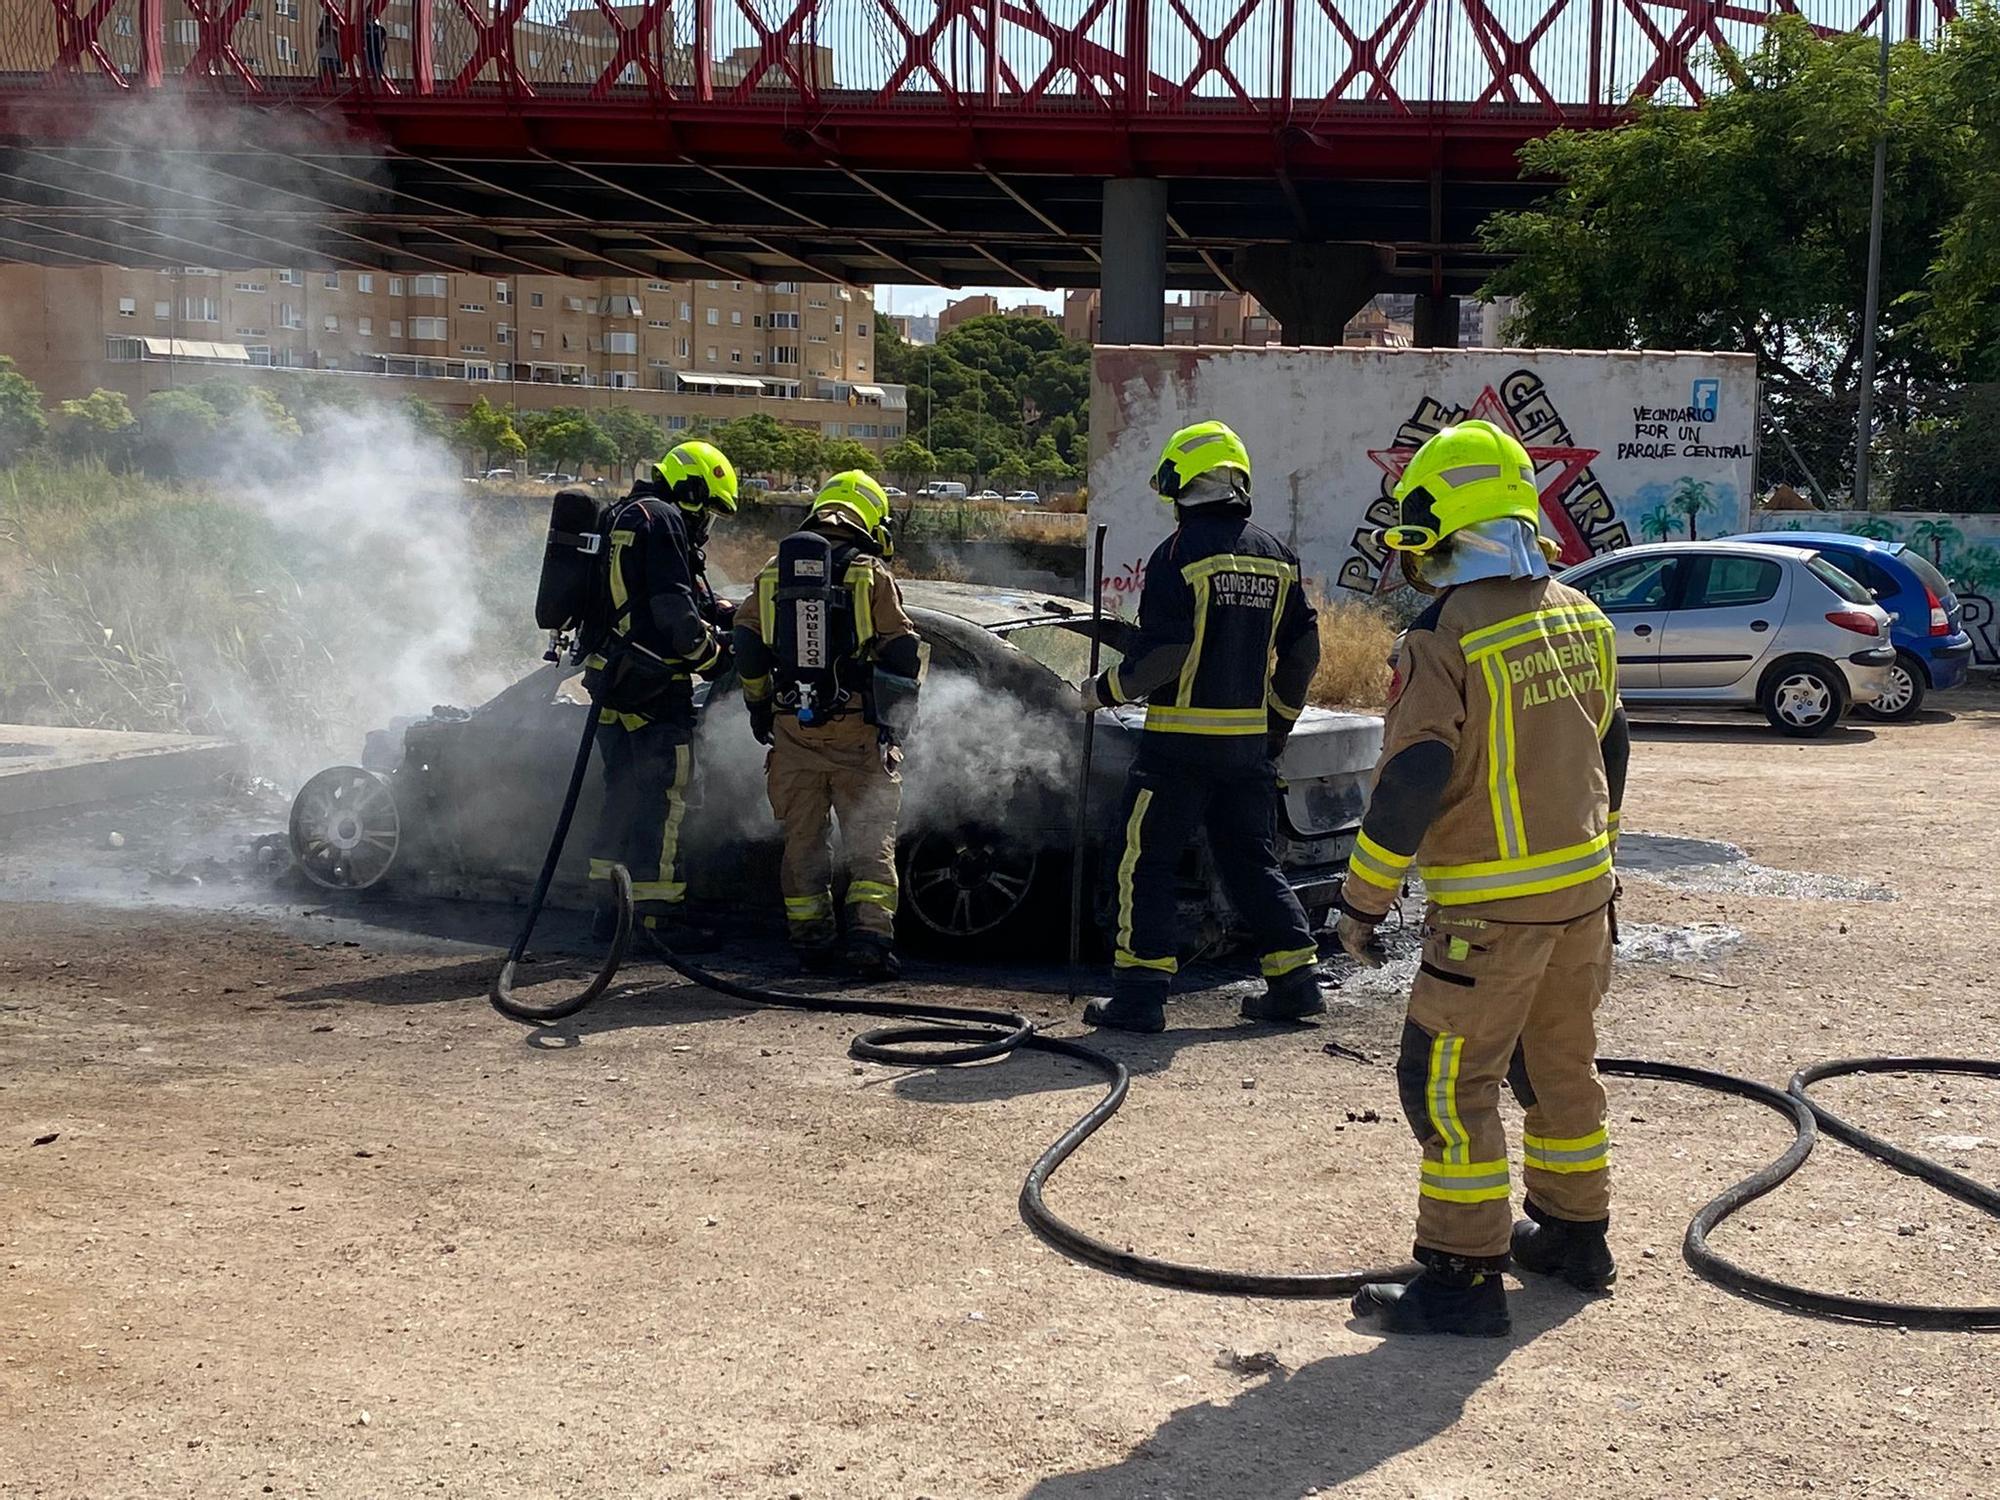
[[1803, 700], [345, 829], [1900, 689], [966, 883]]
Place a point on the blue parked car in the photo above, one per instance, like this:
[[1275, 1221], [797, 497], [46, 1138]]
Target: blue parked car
[[1933, 650]]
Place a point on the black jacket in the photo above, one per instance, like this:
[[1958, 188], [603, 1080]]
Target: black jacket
[[1227, 643], [656, 610]]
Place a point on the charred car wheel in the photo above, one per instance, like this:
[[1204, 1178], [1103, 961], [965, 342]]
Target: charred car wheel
[[966, 885], [345, 829]]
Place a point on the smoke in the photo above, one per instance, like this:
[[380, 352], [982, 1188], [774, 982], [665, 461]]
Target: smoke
[[980, 754]]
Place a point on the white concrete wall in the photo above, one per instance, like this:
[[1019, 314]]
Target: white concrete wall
[[1329, 428]]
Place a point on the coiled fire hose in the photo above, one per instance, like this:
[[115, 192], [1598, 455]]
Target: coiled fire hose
[[932, 1036]]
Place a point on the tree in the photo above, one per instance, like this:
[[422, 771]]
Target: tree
[[1013, 469], [575, 442], [634, 436], [910, 461], [486, 430], [22, 424], [1744, 225], [843, 454], [427, 419], [957, 461], [804, 458], [98, 426], [1964, 315], [1047, 462], [757, 444], [1936, 534], [175, 427]]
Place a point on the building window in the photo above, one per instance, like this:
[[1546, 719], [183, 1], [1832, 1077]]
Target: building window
[[255, 288], [253, 333], [734, 286], [687, 313], [260, 354], [128, 307], [198, 309], [677, 424], [736, 356], [621, 343], [682, 348], [784, 354], [785, 320], [471, 348], [535, 337], [187, 33], [395, 286], [330, 323], [163, 310], [395, 328], [711, 285], [714, 317], [121, 26], [427, 286], [287, 9], [365, 282], [757, 356], [711, 354], [286, 49], [836, 322], [288, 316], [573, 304], [427, 328], [472, 307], [658, 286], [288, 278], [622, 380], [861, 330], [736, 317], [534, 299], [786, 288], [502, 293], [365, 327], [756, 320], [503, 334], [331, 281], [658, 323]]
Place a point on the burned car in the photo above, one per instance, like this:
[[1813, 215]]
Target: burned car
[[462, 803]]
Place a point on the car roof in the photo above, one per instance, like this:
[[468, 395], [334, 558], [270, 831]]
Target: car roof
[[1725, 548], [1888, 548], [986, 607]]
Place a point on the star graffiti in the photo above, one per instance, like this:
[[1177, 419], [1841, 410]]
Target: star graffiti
[[1557, 470]]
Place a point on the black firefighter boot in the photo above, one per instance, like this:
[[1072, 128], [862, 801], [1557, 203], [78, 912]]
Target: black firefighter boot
[[1449, 1295], [1289, 997], [1136, 1003], [1577, 1252], [873, 956]]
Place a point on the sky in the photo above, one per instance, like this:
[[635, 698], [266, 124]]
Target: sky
[[919, 300]]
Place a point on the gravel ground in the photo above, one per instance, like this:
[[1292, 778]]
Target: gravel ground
[[310, 1220]]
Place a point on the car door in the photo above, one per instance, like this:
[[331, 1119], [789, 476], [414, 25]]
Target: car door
[[1725, 622], [1636, 594]]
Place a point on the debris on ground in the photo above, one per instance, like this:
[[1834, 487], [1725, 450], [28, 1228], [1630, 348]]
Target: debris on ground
[[1248, 1362]]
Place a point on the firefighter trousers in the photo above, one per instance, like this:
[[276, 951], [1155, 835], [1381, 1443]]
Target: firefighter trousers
[[814, 775], [1517, 1002], [1165, 805], [648, 768]]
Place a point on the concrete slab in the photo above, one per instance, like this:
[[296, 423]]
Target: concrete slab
[[44, 768]]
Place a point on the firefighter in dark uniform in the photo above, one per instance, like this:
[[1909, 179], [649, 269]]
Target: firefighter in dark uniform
[[1502, 773], [664, 633], [1226, 646], [831, 665]]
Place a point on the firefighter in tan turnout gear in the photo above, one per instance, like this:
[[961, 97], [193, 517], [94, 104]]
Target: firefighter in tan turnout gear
[[830, 666], [1502, 771]]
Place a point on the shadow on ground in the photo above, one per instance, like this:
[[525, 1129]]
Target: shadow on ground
[[1317, 1427], [1709, 732]]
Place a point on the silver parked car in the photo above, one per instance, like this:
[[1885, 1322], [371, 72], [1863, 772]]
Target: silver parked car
[[1742, 624]]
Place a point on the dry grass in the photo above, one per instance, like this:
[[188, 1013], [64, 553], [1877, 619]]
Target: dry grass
[[1354, 642]]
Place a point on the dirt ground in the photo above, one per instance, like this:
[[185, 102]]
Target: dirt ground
[[314, 1221]]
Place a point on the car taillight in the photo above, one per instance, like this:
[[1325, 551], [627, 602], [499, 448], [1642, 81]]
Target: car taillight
[[1940, 622], [1855, 620]]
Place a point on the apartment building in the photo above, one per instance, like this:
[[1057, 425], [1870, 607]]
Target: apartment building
[[684, 348], [1203, 318]]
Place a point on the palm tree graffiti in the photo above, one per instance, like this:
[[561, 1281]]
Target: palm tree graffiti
[[1875, 529], [1691, 499], [1936, 533], [1657, 524], [1976, 570]]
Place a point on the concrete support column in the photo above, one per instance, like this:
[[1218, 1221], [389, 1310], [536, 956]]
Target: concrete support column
[[1313, 289], [1436, 321], [1134, 246]]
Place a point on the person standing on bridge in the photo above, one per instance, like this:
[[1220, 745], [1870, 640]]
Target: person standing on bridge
[[1501, 776], [666, 628], [1227, 645]]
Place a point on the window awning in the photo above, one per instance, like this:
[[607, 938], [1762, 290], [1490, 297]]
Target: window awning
[[726, 382], [871, 392], [196, 349]]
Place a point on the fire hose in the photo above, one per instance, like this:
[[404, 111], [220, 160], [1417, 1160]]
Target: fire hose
[[933, 1036]]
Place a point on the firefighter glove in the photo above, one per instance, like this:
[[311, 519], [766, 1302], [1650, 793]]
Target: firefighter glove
[[1356, 934], [763, 715], [892, 752]]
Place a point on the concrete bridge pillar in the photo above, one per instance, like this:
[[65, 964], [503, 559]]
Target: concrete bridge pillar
[[1436, 320], [1313, 289], [1133, 308]]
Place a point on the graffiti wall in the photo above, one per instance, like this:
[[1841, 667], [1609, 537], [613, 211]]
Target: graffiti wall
[[1966, 549], [1627, 447]]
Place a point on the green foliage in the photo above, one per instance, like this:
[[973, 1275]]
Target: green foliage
[[994, 389], [843, 454], [1965, 316], [427, 420], [634, 437], [486, 430], [22, 425], [97, 427], [910, 461]]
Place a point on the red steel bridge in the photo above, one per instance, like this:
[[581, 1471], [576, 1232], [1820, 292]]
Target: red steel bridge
[[1033, 142]]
